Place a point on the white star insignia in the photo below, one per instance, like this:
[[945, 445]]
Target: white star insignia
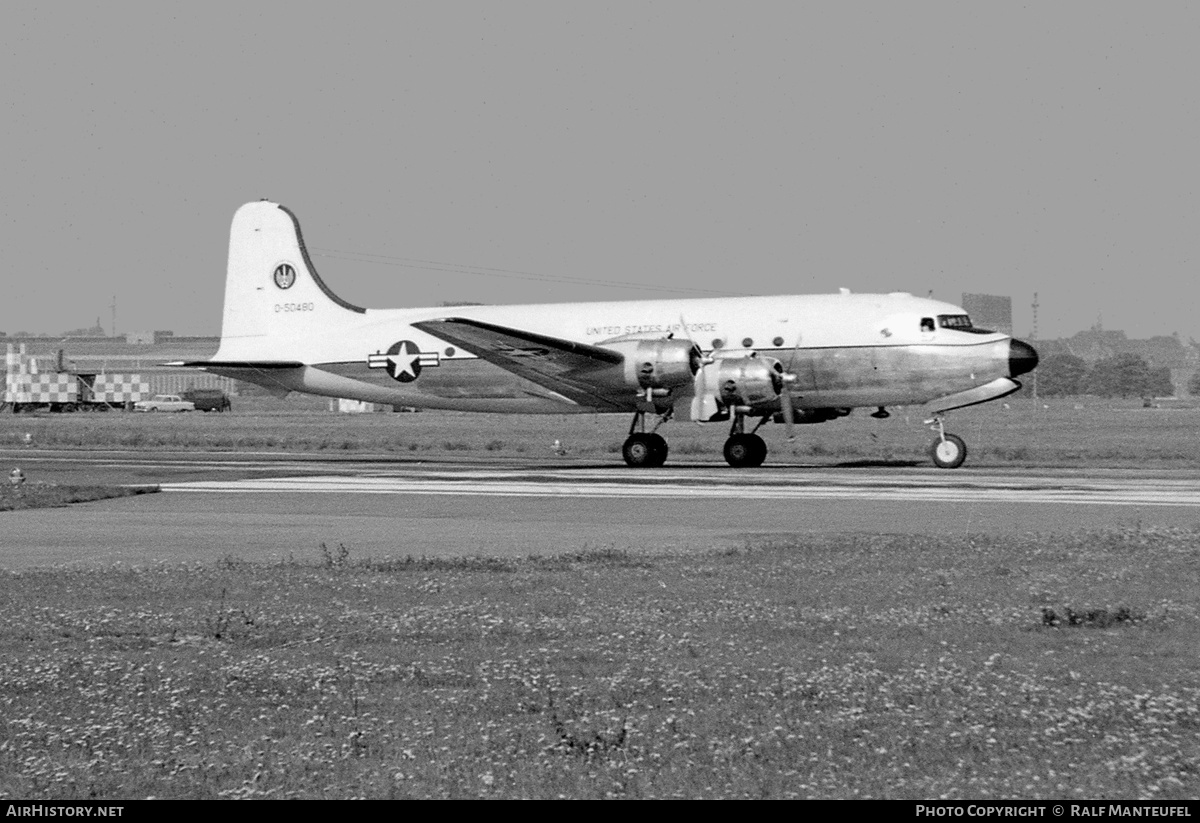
[[403, 362]]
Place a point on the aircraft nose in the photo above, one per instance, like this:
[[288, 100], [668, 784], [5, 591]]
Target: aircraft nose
[[1022, 358]]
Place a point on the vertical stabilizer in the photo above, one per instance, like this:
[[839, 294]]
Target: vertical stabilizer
[[275, 303]]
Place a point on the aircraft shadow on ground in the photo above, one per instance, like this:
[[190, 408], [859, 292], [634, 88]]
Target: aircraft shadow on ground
[[878, 464]]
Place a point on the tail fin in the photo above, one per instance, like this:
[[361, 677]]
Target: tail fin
[[276, 306]]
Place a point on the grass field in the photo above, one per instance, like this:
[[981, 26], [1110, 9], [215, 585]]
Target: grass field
[[1081, 432], [43, 496], [1011, 666], [898, 667]]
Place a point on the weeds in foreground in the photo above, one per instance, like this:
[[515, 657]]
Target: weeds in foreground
[[851, 666]]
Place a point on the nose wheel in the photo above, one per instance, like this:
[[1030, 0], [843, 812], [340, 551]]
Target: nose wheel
[[947, 450]]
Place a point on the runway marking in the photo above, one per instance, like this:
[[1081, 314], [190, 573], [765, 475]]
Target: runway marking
[[597, 484]]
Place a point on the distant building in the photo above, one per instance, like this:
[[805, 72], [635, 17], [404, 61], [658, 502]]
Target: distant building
[[148, 338], [989, 311], [95, 331]]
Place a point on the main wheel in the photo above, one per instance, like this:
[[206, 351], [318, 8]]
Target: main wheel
[[658, 446], [949, 453], [745, 451], [644, 450]]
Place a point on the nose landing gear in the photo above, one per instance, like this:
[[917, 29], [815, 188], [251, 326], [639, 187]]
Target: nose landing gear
[[947, 450]]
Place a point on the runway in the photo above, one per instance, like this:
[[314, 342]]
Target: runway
[[719, 484], [268, 507]]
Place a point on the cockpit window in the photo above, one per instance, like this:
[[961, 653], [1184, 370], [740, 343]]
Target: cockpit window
[[954, 321], [926, 324], [959, 322]]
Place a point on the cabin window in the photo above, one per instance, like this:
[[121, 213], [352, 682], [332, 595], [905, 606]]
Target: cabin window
[[778, 341], [927, 324], [747, 342], [717, 343]]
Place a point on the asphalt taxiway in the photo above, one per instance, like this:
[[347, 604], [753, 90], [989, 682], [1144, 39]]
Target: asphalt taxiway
[[270, 506]]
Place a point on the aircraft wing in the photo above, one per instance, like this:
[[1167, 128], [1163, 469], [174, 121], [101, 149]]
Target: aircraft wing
[[562, 366]]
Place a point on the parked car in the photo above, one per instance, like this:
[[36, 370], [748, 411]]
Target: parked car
[[208, 399], [164, 403]]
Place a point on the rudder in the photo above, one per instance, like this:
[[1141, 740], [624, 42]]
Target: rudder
[[275, 302]]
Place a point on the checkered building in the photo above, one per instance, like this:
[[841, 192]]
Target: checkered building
[[119, 388]]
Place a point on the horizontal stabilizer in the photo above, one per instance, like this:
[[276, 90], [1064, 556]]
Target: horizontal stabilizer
[[235, 364], [278, 377]]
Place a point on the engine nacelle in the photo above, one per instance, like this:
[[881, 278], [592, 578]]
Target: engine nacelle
[[751, 381], [746, 381], [665, 363]]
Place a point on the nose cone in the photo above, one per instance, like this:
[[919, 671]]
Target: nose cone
[[1021, 358]]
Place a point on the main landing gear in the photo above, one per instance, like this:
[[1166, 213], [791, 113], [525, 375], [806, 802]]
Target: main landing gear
[[648, 449], [947, 450], [645, 448], [745, 451]]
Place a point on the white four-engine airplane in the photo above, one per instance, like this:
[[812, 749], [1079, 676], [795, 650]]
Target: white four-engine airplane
[[742, 360]]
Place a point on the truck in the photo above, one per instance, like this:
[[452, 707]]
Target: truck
[[208, 399], [26, 388], [69, 392]]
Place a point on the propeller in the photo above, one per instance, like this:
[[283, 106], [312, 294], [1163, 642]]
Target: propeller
[[704, 403], [786, 405]]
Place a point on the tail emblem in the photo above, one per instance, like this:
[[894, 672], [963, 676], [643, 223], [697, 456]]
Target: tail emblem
[[285, 276], [403, 361]]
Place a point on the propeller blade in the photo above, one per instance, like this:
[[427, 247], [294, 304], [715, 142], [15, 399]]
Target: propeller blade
[[704, 405], [683, 328], [792, 357], [785, 406]]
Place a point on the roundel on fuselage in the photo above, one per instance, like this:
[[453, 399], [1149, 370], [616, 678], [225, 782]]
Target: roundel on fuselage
[[404, 361]]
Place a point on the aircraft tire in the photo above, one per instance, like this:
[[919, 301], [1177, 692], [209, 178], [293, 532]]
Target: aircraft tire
[[949, 453], [644, 450], [658, 445], [745, 451]]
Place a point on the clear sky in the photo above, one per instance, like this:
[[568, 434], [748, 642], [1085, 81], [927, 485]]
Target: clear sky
[[535, 152]]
